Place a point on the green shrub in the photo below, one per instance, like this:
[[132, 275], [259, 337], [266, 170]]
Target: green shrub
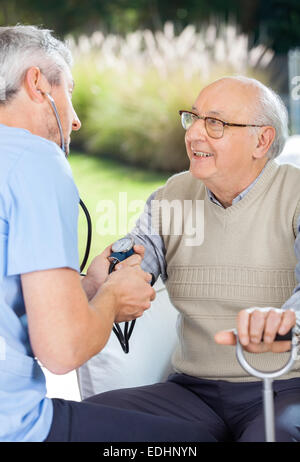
[[129, 90]]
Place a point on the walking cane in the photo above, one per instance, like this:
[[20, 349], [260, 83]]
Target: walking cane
[[268, 377]]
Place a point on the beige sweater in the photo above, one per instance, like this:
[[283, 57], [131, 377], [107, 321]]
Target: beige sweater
[[246, 259]]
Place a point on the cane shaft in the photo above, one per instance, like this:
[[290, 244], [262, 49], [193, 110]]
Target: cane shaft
[[268, 396]]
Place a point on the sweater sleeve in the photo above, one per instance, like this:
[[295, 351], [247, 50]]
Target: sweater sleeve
[[294, 301]]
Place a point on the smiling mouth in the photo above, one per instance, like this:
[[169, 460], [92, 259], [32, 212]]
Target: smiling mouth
[[201, 154]]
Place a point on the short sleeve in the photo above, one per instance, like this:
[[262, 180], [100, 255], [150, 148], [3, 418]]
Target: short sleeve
[[42, 207]]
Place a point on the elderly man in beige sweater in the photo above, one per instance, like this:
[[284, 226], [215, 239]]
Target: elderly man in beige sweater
[[241, 273]]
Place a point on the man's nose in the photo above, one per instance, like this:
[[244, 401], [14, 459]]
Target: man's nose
[[197, 130], [76, 124]]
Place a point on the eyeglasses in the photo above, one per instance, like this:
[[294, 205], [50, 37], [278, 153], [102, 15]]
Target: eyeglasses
[[214, 127]]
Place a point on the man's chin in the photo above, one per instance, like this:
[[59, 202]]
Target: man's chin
[[198, 173], [202, 170]]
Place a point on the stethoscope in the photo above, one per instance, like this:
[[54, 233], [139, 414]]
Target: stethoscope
[[83, 206], [122, 337]]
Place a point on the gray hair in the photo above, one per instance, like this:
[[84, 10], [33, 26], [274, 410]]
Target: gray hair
[[269, 109], [24, 46]]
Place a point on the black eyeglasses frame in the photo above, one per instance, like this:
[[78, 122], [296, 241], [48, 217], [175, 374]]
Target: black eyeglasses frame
[[229, 124]]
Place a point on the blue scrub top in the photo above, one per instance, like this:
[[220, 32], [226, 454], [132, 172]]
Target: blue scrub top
[[38, 231]]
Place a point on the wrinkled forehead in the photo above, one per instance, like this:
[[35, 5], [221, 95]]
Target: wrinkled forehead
[[228, 99]]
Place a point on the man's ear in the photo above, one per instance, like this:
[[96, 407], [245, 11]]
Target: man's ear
[[266, 136], [36, 84]]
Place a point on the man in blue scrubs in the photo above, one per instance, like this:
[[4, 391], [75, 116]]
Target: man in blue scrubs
[[47, 313]]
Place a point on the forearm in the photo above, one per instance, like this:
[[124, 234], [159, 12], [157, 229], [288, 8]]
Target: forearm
[[77, 345], [94, 331], [88, 286], [65, 329]]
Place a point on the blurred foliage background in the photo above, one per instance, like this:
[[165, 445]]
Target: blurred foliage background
[[275, 23], [137, 63], [129, 89]]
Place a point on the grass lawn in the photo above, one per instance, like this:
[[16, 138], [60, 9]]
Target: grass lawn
[[108, 189]]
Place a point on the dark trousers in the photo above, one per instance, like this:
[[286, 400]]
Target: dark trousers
[[184, 409]]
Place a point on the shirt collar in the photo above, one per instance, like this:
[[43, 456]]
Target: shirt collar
[[239, 197]]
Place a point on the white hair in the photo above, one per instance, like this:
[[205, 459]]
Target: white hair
[[268, 109], [24, 46]]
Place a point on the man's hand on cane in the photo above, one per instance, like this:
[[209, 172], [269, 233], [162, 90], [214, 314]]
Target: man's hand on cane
[[257, 329]]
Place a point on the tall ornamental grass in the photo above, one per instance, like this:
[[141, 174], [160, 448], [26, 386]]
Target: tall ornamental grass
[[129, 89]]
